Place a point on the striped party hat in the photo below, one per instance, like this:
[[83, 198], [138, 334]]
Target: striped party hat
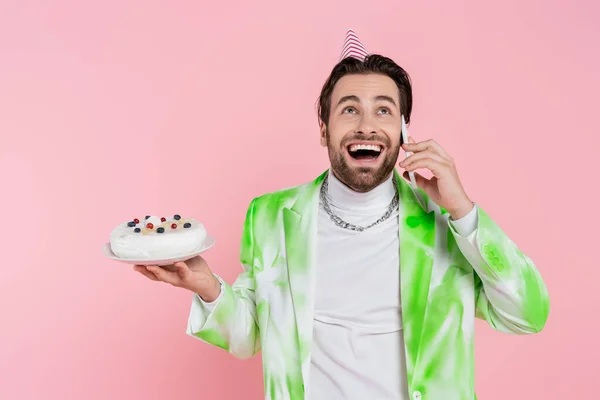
[[353, 47]]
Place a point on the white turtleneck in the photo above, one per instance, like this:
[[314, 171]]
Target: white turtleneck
[[358, 344]]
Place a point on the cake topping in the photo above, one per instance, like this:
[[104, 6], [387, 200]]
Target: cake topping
[[158, 224], [154, 221]]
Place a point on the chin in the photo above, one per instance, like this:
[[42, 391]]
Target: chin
[[361, 178]]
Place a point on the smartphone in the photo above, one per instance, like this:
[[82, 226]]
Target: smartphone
[[411, 175]]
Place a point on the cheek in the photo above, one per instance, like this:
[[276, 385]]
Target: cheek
[[336, 133], [392, 131], [334, 142]]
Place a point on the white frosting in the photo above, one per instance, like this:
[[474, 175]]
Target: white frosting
[[148, 244]]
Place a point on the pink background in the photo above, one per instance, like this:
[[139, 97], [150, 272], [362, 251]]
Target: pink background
[[115, 109]]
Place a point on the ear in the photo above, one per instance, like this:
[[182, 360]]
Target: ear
[[323, 132]]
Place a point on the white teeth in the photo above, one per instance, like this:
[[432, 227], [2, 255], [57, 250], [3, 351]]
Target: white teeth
[[356, 147]]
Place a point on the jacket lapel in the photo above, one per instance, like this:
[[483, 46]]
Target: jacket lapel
[[300, 228], [417, 244]]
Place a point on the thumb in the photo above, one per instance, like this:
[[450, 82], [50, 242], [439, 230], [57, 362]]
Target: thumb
[[183, 270]]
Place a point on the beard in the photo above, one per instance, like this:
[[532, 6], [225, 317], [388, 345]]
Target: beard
[[362, 179]]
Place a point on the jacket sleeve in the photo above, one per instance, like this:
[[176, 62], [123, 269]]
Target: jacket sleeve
[[509, 291], [230, 322]]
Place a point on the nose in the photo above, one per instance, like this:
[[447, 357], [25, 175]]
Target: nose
[[366, 125]]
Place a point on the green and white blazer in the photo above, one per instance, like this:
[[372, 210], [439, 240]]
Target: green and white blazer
[[447, 281]]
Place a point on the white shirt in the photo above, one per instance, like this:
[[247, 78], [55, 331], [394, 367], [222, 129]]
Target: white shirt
[[357, 342]]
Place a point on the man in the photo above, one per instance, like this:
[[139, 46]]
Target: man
[[351, 287]]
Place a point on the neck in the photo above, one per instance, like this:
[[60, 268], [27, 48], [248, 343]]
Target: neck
[[342, 196]]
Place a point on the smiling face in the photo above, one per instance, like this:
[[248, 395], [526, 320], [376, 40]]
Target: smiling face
[[363, 132]]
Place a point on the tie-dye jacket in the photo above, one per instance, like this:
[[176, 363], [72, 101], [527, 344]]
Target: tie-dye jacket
[[447, 281]]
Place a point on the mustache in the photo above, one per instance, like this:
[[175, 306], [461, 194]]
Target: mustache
[[366, 138]]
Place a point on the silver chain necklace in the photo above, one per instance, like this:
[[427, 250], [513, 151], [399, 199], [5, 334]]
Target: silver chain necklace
[[346, 225]]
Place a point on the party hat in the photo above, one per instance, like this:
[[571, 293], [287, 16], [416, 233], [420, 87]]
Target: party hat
[[353, 47]]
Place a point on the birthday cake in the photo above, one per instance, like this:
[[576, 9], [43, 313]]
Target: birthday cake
[[157, 238]]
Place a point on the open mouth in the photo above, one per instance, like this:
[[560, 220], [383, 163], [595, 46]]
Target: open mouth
[[364, 152]]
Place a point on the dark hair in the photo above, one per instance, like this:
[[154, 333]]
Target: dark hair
[[373, 64]]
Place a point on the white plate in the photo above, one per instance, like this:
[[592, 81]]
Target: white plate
[[207, 244]]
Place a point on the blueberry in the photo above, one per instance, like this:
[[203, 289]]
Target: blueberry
[[147, 216], [137, 230], [177, 217], [131, 224], [187, 225], [160, 230]]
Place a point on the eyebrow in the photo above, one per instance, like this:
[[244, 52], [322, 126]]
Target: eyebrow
[[356, 99], [385, 98], [346, 99]]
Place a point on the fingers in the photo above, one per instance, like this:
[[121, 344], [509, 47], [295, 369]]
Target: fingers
[[422, 155], [142, 270], [437, 168], [430, 145], [169, 267], [173, 274], [163, 275]]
